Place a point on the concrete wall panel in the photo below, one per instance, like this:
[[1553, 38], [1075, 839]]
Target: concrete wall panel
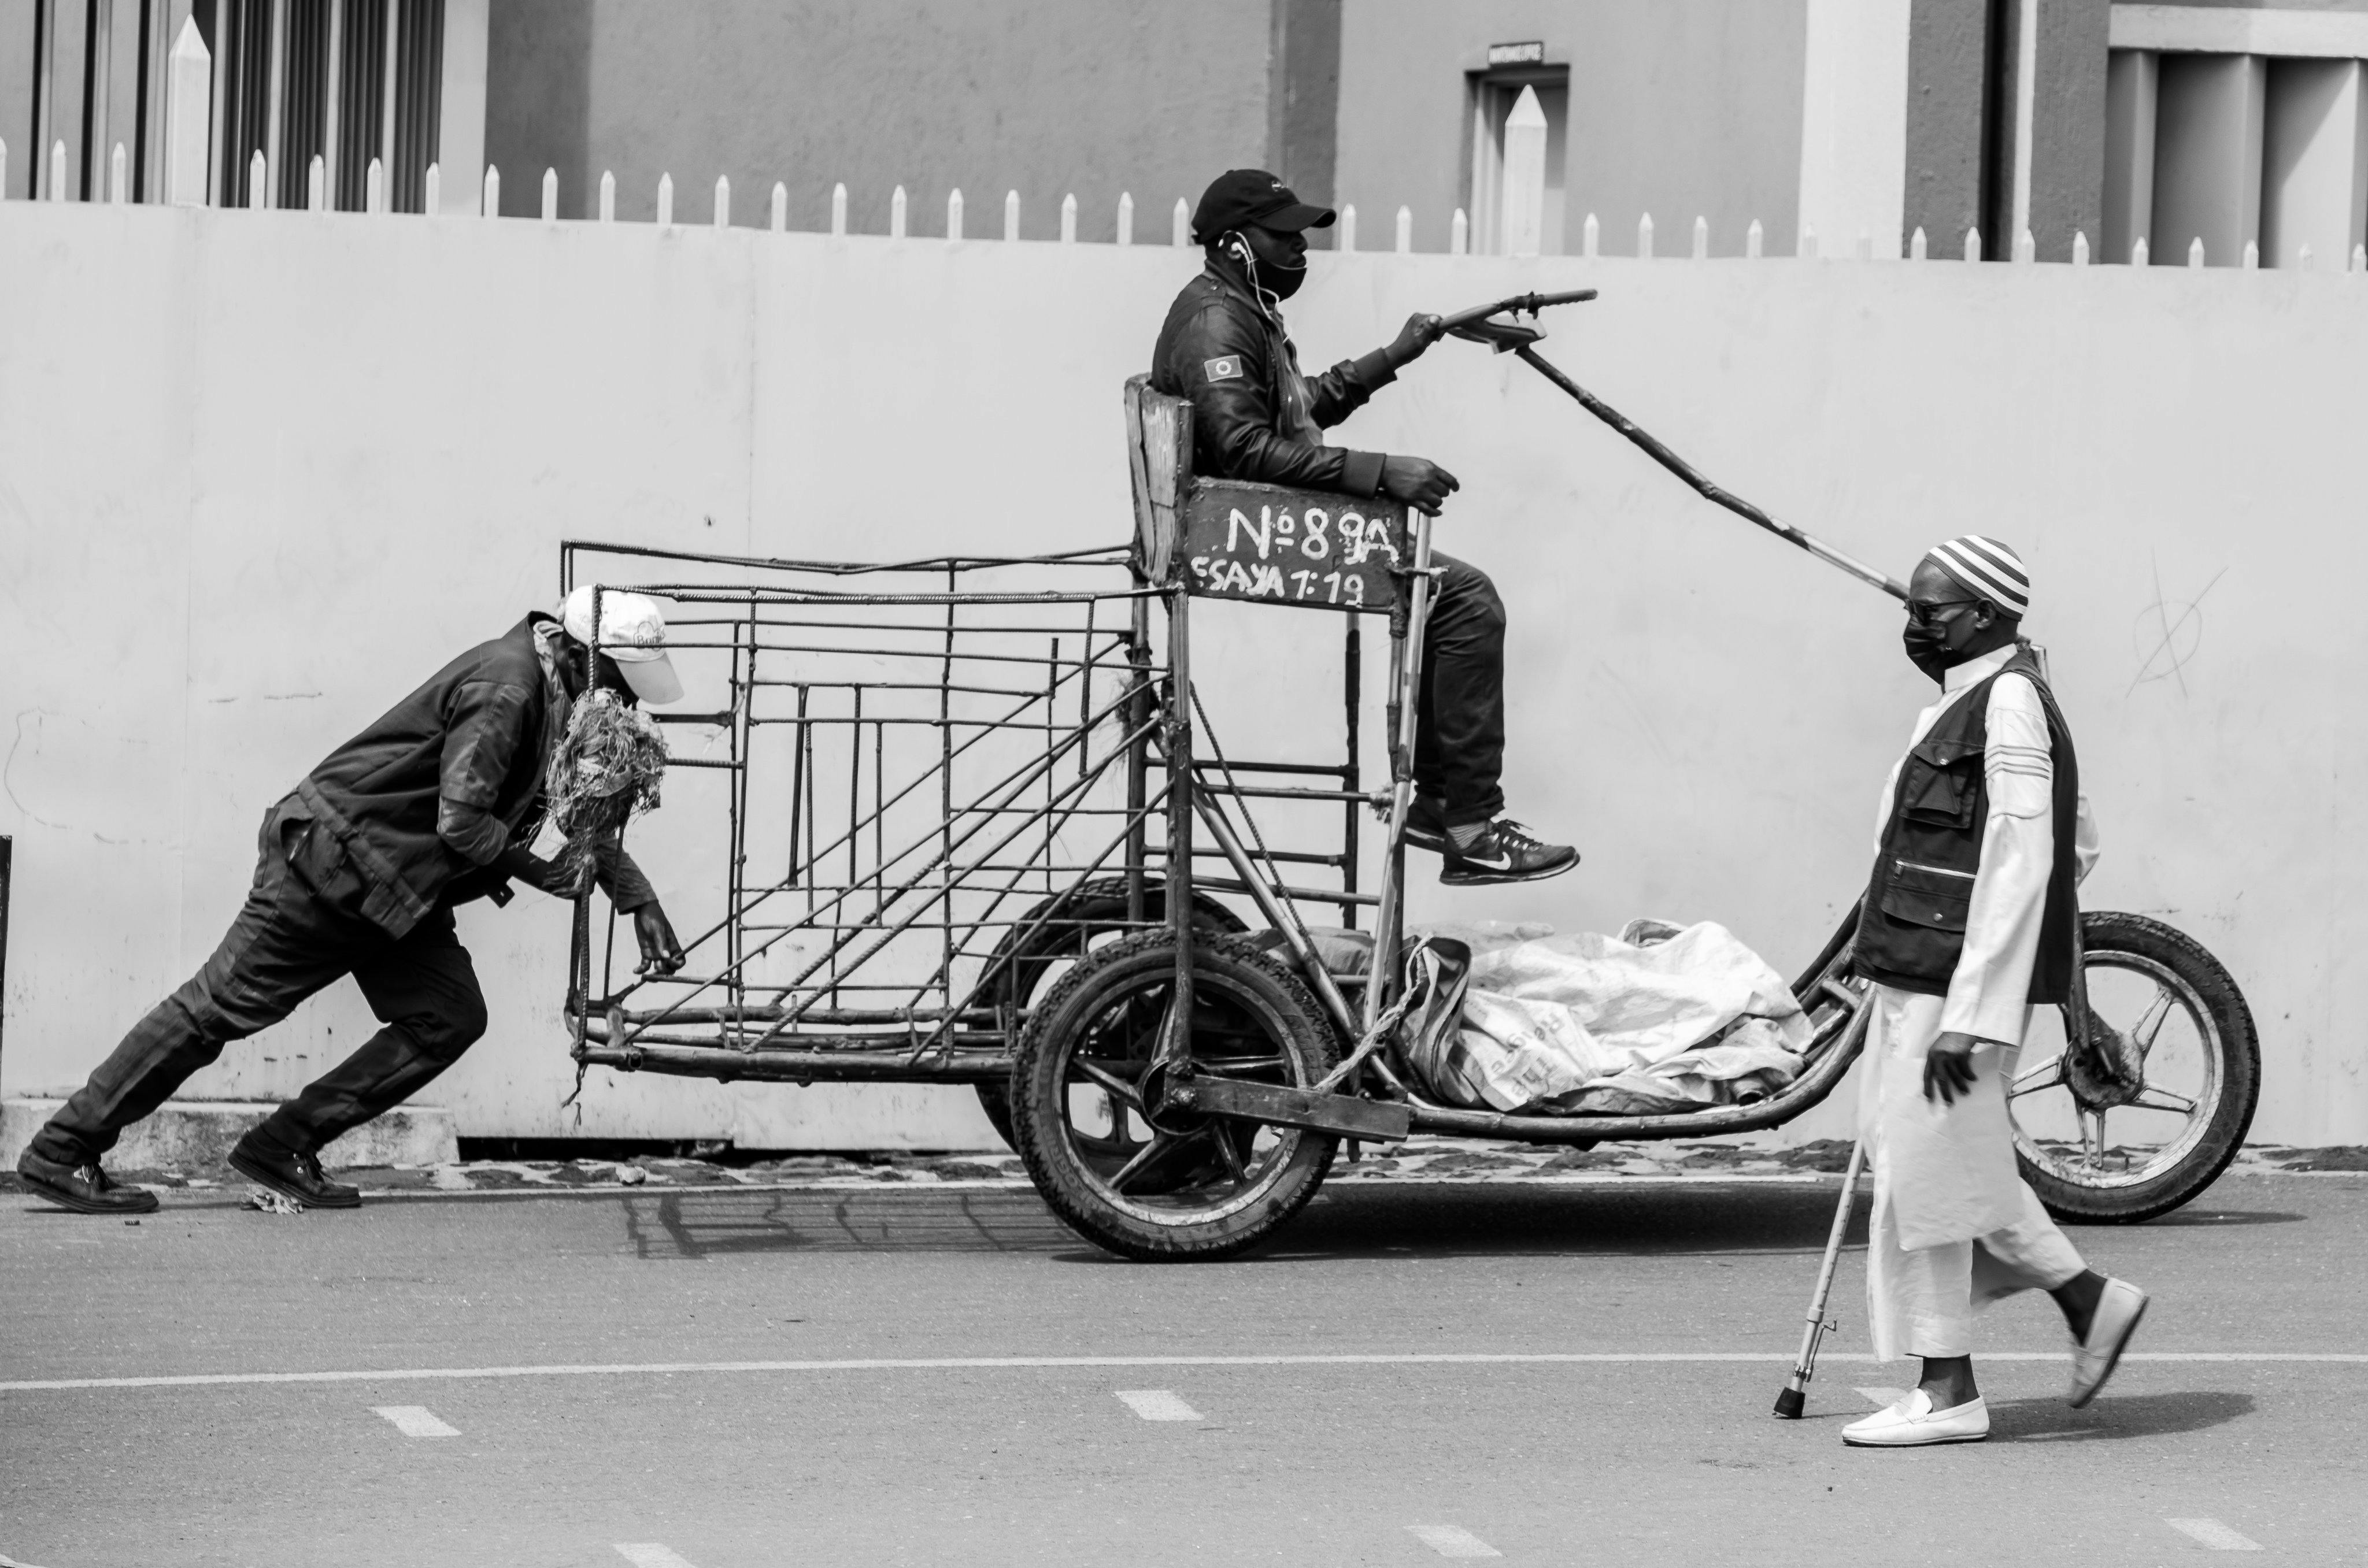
[[261, 472]]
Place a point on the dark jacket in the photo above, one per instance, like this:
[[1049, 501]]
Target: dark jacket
[[1911, 926], [1253, 415], [423, 801]]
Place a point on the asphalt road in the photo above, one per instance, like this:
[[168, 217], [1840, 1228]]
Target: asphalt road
[[1048, 1448]]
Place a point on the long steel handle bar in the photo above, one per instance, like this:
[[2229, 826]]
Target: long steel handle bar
[[1530, 304], [1660, 453]]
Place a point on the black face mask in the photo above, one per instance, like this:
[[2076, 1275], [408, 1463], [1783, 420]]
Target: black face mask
[[1927, 649], [1278, 278]]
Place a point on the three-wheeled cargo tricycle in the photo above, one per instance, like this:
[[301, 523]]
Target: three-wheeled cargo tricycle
[[978, 828]]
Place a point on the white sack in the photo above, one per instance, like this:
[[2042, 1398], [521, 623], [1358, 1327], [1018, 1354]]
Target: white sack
[[1672, 1019]]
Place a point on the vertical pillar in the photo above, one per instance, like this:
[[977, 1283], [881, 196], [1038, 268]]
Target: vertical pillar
[[188, 100], [1948, 105], [392, 58], [2130, 83], [45, 97], [333, 100], [461, 110], [1854, 118], [2315, 161], [1523, 199], [275, 86], [218, 111], [1303, 99], [99, 68], [2207, 172], [19, 69]]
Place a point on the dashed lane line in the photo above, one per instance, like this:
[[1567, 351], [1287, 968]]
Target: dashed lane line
[[991, 1363], [1452, 1541], [1157, 1405], [2214, 1534], [651, 1554], [415, 1421]]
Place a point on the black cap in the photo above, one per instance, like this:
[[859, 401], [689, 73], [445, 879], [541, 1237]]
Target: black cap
[[1253, 195]]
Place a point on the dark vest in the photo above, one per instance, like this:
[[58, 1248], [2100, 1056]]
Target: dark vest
[[1911, 926]]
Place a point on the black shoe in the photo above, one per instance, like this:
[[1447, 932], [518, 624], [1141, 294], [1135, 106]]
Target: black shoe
[[291, 1175], [84, 1189], [1426, 826], [1505, 852]]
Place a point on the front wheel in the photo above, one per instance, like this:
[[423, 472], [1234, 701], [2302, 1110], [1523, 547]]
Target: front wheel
[[1182, 1186], [2175, 1066]]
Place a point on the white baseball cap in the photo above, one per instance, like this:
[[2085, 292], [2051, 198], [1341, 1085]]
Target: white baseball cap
[[632, 632]]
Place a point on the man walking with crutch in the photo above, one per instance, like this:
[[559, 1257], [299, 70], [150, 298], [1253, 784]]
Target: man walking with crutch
[[1969, 922]]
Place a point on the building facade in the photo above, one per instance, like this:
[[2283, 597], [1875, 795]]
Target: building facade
[[1840, 125]]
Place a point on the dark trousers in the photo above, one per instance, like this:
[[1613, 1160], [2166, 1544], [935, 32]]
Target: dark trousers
[[1459, 742], [299, 931]]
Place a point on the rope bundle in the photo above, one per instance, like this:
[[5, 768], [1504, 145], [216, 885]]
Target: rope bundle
[[608, 769]]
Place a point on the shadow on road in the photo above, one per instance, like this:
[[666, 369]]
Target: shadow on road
[[1349, 1222], [2227, 1217], [2139, 1416]]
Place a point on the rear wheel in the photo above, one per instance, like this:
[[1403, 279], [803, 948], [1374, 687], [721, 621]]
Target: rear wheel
[[1183, 1186], [1057, 932], [2176, 1068]]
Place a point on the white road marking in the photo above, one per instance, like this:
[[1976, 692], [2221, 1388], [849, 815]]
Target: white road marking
[[415, 1421], [1883, 1397], [651, 1554], [1452, 1541], [990, 1363], [1157, 1405], [2214, 1534]]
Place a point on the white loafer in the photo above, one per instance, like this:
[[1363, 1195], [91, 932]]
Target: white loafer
[[2094, 1357], [1914, 1423]]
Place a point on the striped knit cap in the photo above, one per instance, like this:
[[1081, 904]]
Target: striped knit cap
[[1988, 569]]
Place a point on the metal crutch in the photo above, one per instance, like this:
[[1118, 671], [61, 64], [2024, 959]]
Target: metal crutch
[[1789, 1403]]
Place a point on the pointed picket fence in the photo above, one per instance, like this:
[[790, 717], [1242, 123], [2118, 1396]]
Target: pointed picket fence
[[1516, 228]]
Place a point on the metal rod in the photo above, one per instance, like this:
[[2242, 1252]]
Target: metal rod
[[1795, 1395], [1406, 673], [1654, 449]]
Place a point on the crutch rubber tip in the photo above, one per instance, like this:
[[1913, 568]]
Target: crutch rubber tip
[[1789, 1404]]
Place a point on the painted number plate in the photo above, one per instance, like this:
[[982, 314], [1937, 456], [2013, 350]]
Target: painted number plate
[[1270, 545]]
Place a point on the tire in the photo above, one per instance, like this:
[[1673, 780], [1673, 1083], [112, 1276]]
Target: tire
[[1197, 1201], [2145, 980], [1083, 912]]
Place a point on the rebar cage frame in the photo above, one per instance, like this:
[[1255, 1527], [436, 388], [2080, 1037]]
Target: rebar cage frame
[[884, 945]]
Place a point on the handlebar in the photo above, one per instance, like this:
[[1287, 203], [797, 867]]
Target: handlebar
[[1528, 303]]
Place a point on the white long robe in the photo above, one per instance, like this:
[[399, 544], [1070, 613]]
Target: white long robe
[[1954, 1226]]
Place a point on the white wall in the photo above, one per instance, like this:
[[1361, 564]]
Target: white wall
[[261, 472]]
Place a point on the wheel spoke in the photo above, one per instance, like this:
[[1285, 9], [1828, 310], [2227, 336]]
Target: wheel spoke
[[2046, 1076], [1118, 1087], [2152, 1099], [1160, 1144], [1223, 1139], [2146, 1027], [2092, 1138]]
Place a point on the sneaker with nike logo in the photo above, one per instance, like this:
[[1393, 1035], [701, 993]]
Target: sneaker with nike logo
[[1505, 852]]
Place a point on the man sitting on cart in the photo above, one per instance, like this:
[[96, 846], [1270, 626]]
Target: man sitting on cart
[[1255, 418]]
